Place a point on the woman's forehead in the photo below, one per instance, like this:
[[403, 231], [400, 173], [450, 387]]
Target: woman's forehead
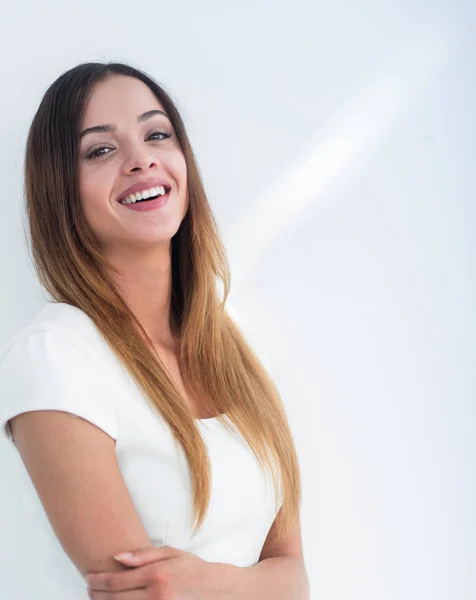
[[111, 101]]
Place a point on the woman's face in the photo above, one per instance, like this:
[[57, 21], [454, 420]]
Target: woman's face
[[131, 153]]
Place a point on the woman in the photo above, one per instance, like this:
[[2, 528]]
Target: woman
[[178, 420]]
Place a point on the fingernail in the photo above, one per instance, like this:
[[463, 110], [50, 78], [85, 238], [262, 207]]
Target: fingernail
[[122, 555]]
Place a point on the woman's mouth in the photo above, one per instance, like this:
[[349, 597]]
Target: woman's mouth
[[149, 203]]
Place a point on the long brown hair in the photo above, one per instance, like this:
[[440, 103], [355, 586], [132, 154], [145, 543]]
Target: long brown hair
[[213, 352]]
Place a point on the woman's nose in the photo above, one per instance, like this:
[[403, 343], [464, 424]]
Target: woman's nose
[[140, 162], [140, 157]]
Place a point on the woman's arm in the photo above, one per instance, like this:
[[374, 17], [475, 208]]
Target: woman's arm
[[73, 466]]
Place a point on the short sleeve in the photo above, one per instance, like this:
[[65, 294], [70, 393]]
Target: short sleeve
[[50, 371]]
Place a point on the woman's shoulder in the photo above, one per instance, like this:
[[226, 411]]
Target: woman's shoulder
[[66, 324], [55, 363]]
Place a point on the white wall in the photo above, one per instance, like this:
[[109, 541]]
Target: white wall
[[336, 142]]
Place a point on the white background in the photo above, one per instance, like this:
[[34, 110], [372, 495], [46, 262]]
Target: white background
[[336, 142]]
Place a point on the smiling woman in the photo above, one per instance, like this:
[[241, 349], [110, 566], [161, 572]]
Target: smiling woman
[[125, 148], [136, 343]]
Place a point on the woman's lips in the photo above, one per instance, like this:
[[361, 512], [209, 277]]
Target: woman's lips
[[146, 205]]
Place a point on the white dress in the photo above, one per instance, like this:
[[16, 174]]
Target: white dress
[[60, 361]]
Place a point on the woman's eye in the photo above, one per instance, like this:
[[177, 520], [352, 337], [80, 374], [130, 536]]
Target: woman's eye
[[96, 153], [165, 133]]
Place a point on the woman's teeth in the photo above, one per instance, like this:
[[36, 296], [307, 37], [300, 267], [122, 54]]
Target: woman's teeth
[[144, 195]]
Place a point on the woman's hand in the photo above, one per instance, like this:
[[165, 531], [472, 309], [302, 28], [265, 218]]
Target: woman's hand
[[165, 573]]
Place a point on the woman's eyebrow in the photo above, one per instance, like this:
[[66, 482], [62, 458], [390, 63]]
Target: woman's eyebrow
[[106, 128]]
